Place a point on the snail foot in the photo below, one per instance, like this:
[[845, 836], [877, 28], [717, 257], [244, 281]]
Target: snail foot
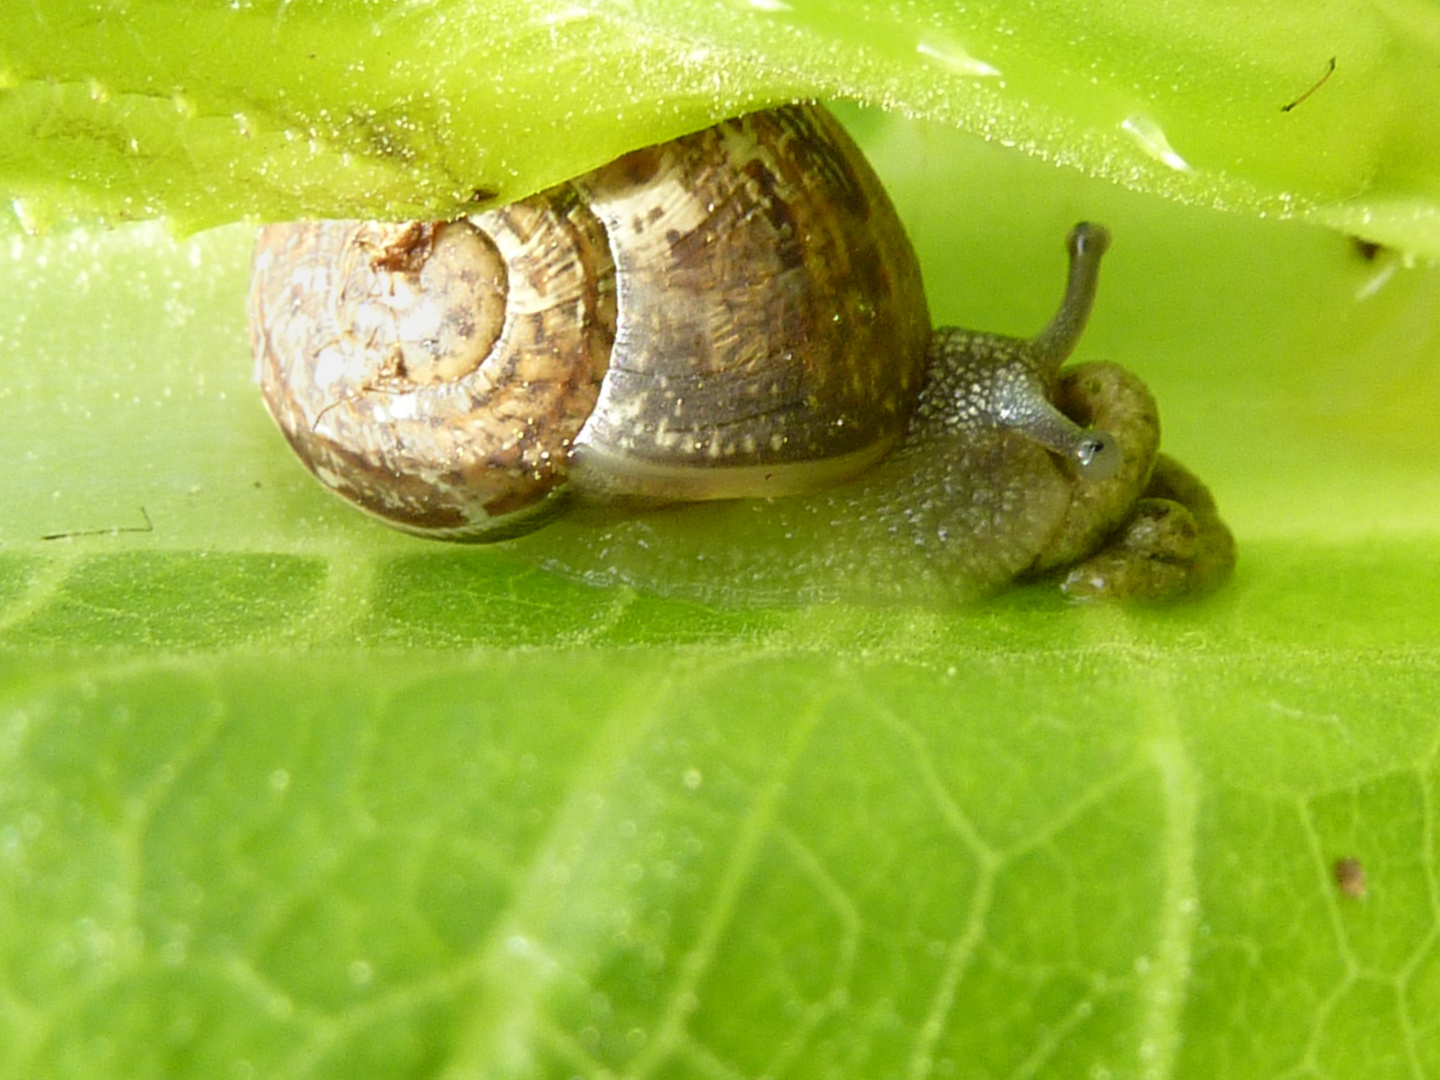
[[1173, 545]]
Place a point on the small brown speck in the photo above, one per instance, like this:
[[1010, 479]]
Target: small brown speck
[[407, 253], [1350, 877], [1368, 250]]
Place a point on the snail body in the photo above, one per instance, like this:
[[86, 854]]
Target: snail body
[[734, 319]]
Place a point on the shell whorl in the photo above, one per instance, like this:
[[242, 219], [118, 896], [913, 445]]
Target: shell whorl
[[436, 374]]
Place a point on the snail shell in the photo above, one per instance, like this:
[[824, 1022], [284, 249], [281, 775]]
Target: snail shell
[[734, 313]]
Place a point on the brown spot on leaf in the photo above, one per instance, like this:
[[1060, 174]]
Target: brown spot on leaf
[[1350, 877]]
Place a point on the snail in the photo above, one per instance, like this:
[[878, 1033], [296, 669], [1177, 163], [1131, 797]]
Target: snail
[[715, 357]]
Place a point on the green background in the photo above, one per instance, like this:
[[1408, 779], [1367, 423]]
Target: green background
[[285, 794]]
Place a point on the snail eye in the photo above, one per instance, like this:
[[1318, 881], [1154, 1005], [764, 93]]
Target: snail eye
[[1099, 455]]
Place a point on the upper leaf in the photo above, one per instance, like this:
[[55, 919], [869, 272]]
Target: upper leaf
[[212, 111]]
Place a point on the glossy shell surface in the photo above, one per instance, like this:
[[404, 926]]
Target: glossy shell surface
[[773, 323]]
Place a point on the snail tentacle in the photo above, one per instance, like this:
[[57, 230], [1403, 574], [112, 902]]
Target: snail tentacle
[[1087, 244], [1011, 381]]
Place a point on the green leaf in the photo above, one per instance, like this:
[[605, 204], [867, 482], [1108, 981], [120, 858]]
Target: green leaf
[[422, 108], [285, 794]]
